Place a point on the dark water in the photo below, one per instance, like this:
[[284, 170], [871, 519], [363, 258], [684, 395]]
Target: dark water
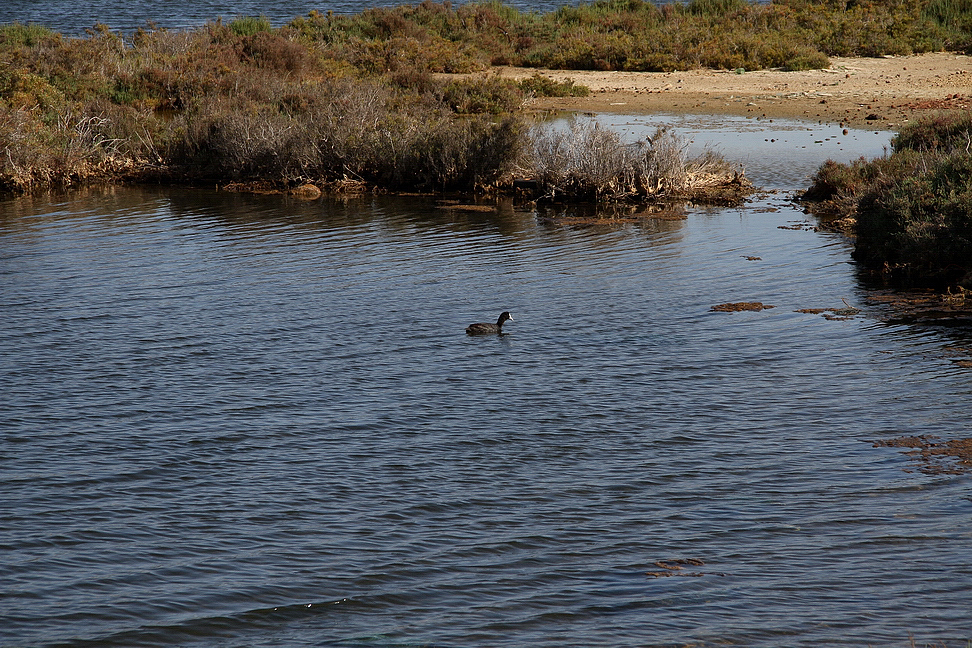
[[73, 18], [236, 420]]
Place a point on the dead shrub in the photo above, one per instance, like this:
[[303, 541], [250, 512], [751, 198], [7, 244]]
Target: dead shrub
[[588, 160], [585, 160], [237, 140], [73, 148], [274, 52], [360, 131]]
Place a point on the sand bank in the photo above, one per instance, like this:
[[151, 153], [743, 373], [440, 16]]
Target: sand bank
[[884, 92]]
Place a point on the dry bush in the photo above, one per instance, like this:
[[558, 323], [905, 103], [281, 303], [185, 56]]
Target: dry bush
[[236, 139], [413, 148], [582, 159], [74, 148], [274, 52], [588, 160], [342, 130]]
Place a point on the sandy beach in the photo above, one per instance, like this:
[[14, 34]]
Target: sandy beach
[[886, 92]]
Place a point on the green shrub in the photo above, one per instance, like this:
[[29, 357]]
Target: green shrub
[[17, 35], [945, 132], [715, 7], [922, 221], [914, 207], [805, 59], [543, 86], [483, 95], [250, 25], [637, 35], [954, 17]]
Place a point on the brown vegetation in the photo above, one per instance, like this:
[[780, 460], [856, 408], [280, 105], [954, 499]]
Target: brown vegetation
[[953, 307], [355, 100], [676, 567], [241, 103], [735, 307], [933, 455]]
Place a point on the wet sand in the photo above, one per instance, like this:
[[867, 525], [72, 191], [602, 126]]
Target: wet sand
[[884, 92]]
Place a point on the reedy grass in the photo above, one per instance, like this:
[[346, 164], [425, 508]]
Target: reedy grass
[[250, 25]]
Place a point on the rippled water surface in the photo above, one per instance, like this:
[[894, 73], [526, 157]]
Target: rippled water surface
[[73, 18], [236, 420]]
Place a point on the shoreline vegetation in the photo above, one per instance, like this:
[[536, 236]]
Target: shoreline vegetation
[[325, 103], [409, 99], [352, 101], [910, 212]]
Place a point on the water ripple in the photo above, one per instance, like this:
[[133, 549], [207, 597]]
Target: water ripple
[[236, 420]]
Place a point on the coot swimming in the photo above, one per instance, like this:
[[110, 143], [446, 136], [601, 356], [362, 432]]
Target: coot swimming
[[484, 328]]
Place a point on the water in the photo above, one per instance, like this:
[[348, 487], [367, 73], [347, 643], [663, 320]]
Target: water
[[235, 420], [73, 18]]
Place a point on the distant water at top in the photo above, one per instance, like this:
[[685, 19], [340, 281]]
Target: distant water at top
[[72, 18]]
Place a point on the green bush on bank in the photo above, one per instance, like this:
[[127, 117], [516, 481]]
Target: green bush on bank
[[913, 207]]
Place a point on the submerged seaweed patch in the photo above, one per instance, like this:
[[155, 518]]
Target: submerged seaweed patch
[[837, 314], [933, 455], [735, 307], [676, 567], [951, 308]]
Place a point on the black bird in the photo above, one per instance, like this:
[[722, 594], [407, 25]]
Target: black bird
[[484, 328]]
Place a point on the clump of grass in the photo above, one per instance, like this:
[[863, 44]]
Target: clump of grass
[[913, 208]]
